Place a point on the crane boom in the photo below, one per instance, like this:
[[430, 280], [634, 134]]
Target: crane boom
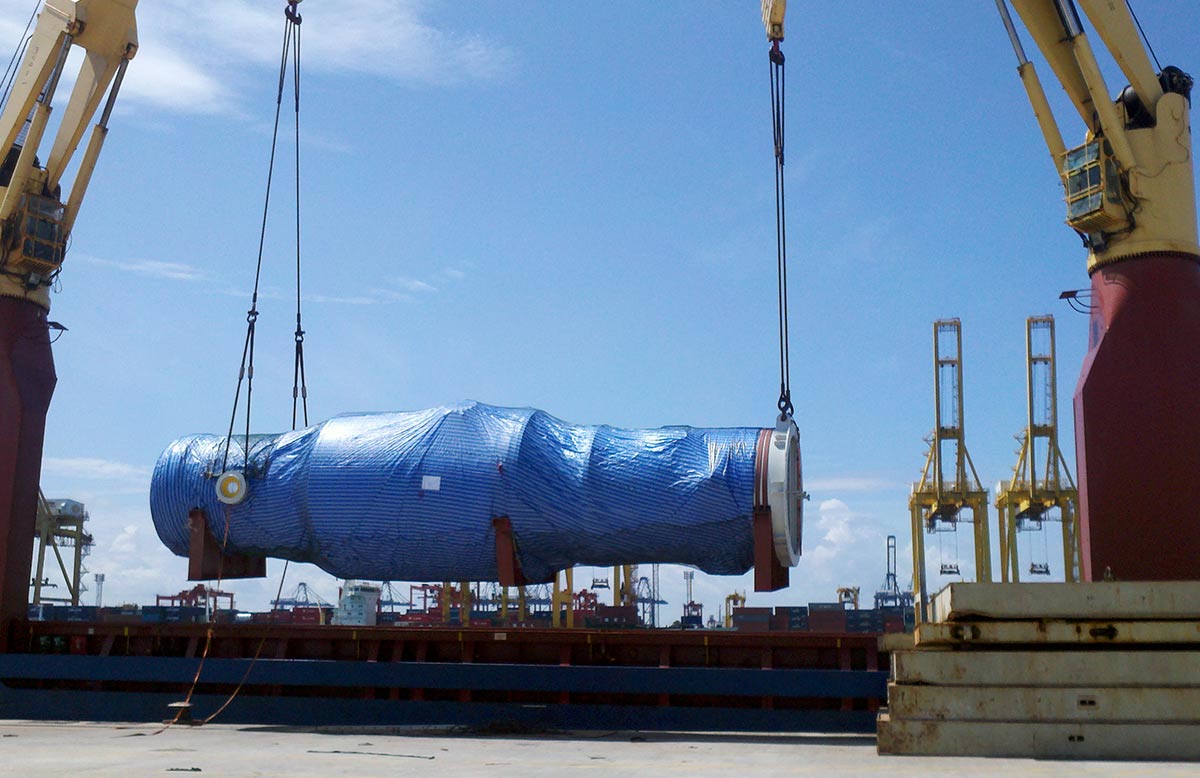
[[36, 221], [1130, 186]]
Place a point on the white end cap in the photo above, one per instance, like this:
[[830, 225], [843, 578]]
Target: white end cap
[[231, 487], [785, 491]]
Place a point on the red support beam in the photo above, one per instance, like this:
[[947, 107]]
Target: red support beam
[[769, 574], [207, 559], [508, 567]]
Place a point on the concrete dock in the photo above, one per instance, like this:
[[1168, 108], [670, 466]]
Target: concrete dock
[[30, 748]]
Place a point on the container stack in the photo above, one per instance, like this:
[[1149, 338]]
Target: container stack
[[822, 617], [1080, 671], [864, 621], [312, 615], [897, 619], [752, 619], [790, 618], [826, 617]]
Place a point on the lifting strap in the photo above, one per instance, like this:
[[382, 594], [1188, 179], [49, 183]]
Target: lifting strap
[[291, 50], [777, 95], [299, 385]]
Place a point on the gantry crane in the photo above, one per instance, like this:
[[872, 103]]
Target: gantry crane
[[647, 598], [60, 525], [36, 217], [949, 484], [733, 600], [625, 584], [199, 596], [1131, 197], [1041, 483], [847, 597], [889, 595]]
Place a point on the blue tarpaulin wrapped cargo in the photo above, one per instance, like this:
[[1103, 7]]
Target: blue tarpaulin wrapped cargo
[[412, 495]]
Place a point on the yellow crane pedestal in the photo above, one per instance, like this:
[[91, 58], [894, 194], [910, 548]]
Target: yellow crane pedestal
[[1106, 670]]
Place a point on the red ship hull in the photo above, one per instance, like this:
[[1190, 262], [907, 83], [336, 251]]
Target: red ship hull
[[27, 382], [1137, 422]]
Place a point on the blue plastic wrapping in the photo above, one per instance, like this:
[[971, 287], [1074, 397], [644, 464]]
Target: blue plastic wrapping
[[411, 496]]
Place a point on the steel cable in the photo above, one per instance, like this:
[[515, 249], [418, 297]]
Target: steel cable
[[777, 122]]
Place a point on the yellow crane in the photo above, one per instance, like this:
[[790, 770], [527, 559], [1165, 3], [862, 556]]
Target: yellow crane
[[949, 492], [1041, 488], [734, 600], [1131, 197], [36, 219]]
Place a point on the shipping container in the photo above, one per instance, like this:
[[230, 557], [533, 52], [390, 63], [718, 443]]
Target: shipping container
[[864, 628], [615, 615], [120, 615], [75, 613], [309, 615], [227, 616], [864, 615], [751, 624], [272, 617], [183, 614], [826, 621]]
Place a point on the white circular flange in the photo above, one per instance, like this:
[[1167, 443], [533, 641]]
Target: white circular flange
[[785, 491], [231, 487]]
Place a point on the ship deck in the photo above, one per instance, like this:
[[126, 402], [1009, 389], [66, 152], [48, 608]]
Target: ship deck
[[555, 679]]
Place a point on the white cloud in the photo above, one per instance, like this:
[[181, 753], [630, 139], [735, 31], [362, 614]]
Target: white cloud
[[325, 298], [409, 287], [126, 542], [165, 78], [851, 484], [192, 58], [367, 297], [839, 523], [195, 58], [455, 273], [151, 268], [93, 469], [414, 285]]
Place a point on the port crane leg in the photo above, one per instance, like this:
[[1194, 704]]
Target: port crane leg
[[920, 587]]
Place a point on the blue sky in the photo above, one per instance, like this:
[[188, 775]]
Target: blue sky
[[570, 208]]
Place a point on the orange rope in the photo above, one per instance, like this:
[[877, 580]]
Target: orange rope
[[208, 638]]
